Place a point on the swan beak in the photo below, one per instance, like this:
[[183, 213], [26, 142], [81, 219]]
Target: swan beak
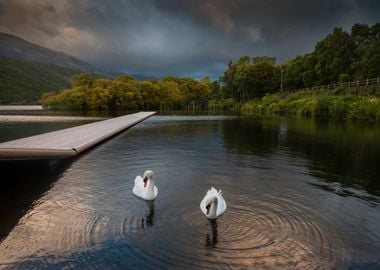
[[145, 181]]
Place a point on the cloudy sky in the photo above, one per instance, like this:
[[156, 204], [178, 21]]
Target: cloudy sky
[[180, 37]]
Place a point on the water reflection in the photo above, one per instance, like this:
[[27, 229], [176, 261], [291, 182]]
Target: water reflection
[[148, 219], [337, 152], [276, 218], [22, 184], [212, 237]]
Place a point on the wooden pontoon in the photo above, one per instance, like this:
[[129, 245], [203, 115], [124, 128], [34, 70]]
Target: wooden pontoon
[[68, 142]]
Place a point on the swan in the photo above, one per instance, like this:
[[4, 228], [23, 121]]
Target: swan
[[213, 204], [144, 186]]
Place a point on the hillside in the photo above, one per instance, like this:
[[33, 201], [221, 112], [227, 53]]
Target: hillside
[[28, 70], [23, 82], [15, 47]]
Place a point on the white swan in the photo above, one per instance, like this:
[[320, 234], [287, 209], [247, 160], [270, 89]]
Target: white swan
[[213, 204], [144, 186]]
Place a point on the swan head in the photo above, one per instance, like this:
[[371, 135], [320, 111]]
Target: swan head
[[148, 175], [210, 202]]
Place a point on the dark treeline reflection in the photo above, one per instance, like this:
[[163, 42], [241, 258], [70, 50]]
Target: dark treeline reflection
[[22, 184], [148, 219], [212, 237], [347, 153]]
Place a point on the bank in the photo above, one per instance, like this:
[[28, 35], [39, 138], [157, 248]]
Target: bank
[[338, 104]]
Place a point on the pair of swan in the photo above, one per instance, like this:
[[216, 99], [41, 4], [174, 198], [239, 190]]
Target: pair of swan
[[212, 205]]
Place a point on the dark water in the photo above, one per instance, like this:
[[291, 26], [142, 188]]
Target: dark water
[[301, 194]]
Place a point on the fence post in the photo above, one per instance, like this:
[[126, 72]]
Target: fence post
[[357, 82], [367, 81]]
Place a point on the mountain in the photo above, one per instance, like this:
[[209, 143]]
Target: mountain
[[15, 47], [28, 70], [24, 82]]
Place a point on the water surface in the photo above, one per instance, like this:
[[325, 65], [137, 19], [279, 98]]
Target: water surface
[[301, 194]]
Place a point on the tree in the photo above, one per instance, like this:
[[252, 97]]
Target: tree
[[228, 81], [83, 79], [334, 56], [367, 39], [246, 79], [268, 59]]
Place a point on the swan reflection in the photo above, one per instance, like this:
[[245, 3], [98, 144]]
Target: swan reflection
[[212, 239], [147, 220]]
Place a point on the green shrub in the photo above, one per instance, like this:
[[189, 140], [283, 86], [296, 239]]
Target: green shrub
[[346, 105], [322, 107]]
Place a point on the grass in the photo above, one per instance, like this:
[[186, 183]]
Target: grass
[[339, 104]]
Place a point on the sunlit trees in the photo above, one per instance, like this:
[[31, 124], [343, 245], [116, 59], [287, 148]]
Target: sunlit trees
[[124, 92], [83, 79]]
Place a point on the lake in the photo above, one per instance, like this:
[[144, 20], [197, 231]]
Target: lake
[[300, 193]]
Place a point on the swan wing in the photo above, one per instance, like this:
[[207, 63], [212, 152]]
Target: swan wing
[[222, 205], [139, 186], [155, 191], [212, 191], [203, 204]]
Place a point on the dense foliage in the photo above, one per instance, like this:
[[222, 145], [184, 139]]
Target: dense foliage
[[124, 92], [359, 104], [23, 82], [339, 57], [249, 78]]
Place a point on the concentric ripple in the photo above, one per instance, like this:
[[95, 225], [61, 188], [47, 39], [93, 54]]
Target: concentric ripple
[[90, 219]]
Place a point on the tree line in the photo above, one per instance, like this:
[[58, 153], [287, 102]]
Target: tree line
[[124, 92], [340, 57]]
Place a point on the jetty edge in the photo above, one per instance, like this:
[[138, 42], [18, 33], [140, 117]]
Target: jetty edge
[[69, 142]]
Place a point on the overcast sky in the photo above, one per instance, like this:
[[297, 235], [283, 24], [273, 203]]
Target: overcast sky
[[183, 38]]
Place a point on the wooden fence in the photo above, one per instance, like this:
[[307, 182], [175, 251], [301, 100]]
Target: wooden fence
[[332, 86]]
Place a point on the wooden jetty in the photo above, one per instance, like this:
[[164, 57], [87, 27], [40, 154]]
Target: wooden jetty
[[68, 142]]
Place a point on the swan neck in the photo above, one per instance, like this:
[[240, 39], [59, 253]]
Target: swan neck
[[213, 208], [150, 186]]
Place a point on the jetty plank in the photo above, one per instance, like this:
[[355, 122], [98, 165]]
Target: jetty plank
[[71, 141]]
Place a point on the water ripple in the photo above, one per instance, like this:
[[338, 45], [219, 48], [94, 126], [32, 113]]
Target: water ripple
[[275, 219]]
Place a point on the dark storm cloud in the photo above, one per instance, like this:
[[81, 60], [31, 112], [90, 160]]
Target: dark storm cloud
[[180, 37]]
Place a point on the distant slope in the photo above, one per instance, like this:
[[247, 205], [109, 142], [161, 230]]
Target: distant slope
[[23, 82], [15, 47], [28, 70]]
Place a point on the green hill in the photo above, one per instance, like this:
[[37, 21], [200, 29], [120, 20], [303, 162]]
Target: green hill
[[23, 82], [28, 70], [16, 47]]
